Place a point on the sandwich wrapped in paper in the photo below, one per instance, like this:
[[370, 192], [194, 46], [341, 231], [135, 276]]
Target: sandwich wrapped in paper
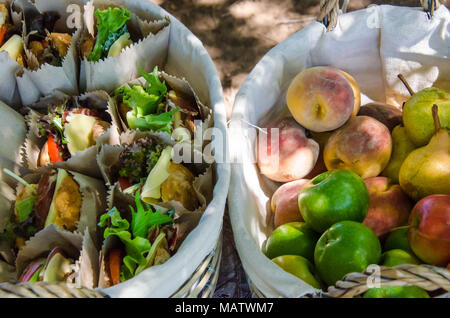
[[159, 102], [114, 41], [67, 131], [54, 255], [63, 198], [51, 60], [11, 51], [138, 236], [144, 162]]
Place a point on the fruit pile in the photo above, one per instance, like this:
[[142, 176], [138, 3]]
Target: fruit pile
[[361, 185]]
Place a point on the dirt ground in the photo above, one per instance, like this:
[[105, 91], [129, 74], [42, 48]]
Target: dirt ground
[[237, 33]]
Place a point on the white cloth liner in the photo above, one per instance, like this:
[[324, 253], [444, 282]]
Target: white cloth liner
[[374, 45], [189, 59]]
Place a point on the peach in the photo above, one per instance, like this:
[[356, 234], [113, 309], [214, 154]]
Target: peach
[[363, 145], [323, 98], [319, 168], [284, 203], [389, 206], [286, 154], [387, 114]]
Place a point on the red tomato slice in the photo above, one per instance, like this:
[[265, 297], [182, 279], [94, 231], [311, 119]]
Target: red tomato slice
[[2, 33], [53, 150]]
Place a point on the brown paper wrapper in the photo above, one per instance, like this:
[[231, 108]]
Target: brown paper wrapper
[[110, 73], [13, 134], [78, 247], [9, 92], [83, 161]]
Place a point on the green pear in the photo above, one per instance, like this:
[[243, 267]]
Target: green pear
[[426, 170], [402, 146], [417, 116]]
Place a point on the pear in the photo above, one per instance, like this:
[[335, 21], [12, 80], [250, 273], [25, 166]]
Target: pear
[[426, 170], [417, 115], [402, 146]]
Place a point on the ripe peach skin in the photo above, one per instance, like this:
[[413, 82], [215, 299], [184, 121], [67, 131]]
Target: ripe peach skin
[[387, 114], [363, 145], [296, 156], [284, 203], [323, 98], [389, 206], [429, 232]]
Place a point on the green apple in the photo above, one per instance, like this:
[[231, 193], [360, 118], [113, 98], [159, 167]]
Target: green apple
[[344, 248], [418, 118], [291, 239], [331, 197], [396, 292], [300, 267], [398, 239], [398, 257]]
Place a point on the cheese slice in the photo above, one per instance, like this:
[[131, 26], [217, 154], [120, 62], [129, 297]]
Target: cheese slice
[[52, 214], [78, 132], [159, 174]]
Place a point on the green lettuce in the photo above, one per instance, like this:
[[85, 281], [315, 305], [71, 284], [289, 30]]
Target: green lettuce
[[134, 236], [111, 25], [146, 103]]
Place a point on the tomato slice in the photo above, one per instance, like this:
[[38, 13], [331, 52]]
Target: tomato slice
[[124, 183], [115, 261], [2, 33], [53, 150]]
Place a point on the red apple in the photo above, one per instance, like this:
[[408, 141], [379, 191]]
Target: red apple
[[429, 232], [389, 206]]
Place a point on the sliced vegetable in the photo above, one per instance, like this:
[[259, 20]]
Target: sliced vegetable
[[53, 150], [159, 174], [111, 25], [115, 262], [3, 29]]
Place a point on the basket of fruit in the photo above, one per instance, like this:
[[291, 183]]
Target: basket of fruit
[[110, 183], [341, 160]]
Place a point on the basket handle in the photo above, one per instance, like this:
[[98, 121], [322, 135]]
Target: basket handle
[[430, 6], [430, 278], [329, 11]]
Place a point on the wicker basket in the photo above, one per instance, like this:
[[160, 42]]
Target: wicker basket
[[435, 280], [201, 284]]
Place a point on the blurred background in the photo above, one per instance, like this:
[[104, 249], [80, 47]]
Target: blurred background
[[237, 34]]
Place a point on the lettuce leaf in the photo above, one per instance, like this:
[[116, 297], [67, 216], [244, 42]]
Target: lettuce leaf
[[159, 123], [146, 103], [25, 208], [134, 237], [111, 25]]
